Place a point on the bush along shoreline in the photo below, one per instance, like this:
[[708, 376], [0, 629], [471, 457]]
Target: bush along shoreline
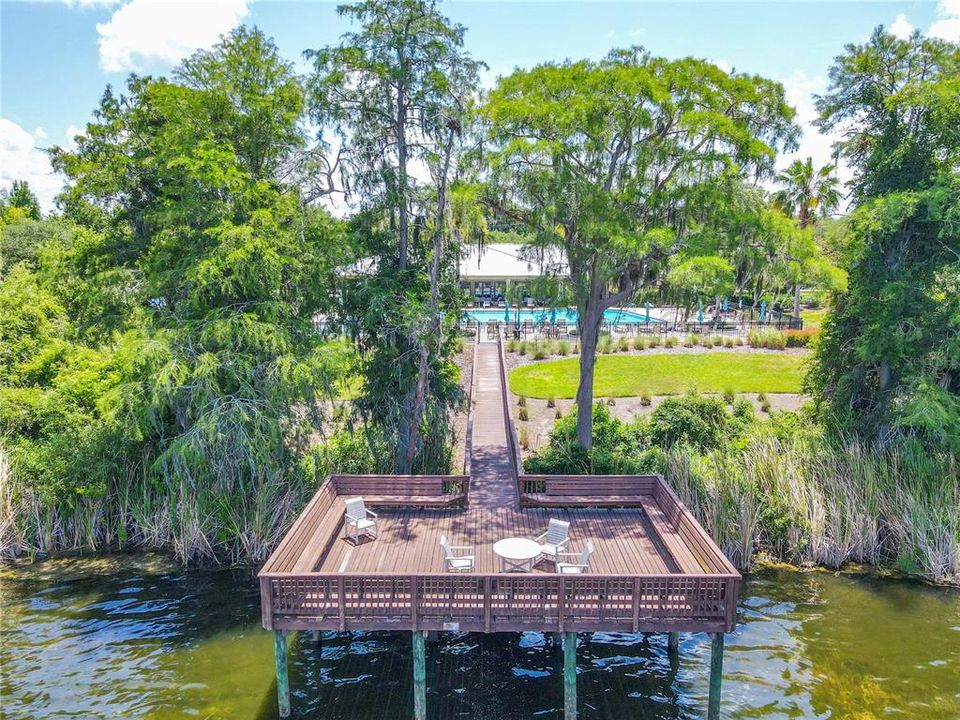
[[783, 487]]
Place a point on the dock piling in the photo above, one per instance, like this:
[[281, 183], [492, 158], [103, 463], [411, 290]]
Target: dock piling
[[673, 644], [283, 680], [716, 675], [419, 676], [569, 676]]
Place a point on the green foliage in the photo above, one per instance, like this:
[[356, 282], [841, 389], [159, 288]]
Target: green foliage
[[768, 338], [618, 448], [700, 422], [889, 352]]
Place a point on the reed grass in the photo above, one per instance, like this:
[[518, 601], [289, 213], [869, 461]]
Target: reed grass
[[812, 503]]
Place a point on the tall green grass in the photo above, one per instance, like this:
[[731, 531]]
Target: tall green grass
[[809, 502]]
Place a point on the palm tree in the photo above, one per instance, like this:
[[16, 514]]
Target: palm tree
[[806, 192]]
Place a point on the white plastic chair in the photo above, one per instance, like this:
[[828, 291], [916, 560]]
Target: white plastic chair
[[577, 568], [555, 540], [454, 562], [358, 520]]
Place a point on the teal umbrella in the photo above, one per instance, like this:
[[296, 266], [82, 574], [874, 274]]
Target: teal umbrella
[[647, 319], [699, 311], [506, 311], [726, 304], [553, 316], [763, 310]]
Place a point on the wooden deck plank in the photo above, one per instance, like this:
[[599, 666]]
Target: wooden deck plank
[[652, 547]]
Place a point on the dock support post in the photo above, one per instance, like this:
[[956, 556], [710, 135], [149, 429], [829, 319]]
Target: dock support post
[[716, 674], [283, 680], [673, 644], [419, 676], [569, 676]]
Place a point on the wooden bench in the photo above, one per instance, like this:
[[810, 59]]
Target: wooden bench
[[595, 491], [403, 490]]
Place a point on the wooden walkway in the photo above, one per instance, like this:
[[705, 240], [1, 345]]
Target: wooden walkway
[[654, 568]]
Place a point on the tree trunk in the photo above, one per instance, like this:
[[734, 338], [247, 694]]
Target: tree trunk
[[591, 313], [404, 237], [423, 373], [796, 301]]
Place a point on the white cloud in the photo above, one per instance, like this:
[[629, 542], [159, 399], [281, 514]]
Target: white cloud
[[723, 65], [901, 28], [21, 159], [947, 24], [40, 133], [165, 31], [800, 90]]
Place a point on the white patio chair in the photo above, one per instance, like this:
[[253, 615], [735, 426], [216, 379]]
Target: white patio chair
[[453, 562], [565, 568], [358, 520], [555, 540]]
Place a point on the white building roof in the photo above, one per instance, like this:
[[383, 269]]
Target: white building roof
[[510, 260]]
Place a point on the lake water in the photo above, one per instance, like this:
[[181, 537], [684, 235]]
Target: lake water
[[140, 638], [613, 315]]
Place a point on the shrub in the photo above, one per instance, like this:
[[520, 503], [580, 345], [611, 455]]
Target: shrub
[[656, 340], [551, 401], [605, 345], [539, 354], [618, 447], [701, 422], [728, 342], [523, 347], [639, 343], [765, 406], [707, 343], [695, 339], [688, 341], [645, 399], [761, 397], [558, 414], [522, 401], [801, 338], [512, 345], [670, 341], [729, 396], [611, 402], [717, 340], [523, 436], [563, 348], [769, 339], [523, 415], [623, 345]]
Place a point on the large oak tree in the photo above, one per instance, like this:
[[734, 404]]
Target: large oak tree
[[604, 157]]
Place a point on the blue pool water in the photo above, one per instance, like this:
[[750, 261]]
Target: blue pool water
[[613, 315]]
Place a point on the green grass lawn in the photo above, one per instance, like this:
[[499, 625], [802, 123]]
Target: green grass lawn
[[664, 374], [814, 318]]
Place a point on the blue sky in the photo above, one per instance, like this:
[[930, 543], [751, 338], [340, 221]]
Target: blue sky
[[56, 57]]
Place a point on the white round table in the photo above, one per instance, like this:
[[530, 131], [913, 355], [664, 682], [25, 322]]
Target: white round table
[[516, 554]]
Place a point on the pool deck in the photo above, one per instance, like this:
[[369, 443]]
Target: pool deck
[[654, 568]]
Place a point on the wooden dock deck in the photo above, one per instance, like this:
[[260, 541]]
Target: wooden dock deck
[[654, 568]]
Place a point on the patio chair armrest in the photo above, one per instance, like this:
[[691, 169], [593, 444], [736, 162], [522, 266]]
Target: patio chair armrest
[[371, 512], [461, 547], [569, 554], [540, 537], [351, 518]]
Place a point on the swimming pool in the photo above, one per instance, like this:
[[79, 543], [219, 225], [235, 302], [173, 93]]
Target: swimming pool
[[539, 315]]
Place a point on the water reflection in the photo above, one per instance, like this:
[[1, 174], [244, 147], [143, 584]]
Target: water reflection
[[138, 638]]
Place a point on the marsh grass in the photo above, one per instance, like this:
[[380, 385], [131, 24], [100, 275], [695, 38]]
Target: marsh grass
[[811, 503]]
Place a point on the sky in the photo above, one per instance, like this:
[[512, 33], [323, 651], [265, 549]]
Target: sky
[[57, 56]]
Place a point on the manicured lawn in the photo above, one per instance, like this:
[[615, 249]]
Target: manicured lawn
[[665, 374], [814, 318]]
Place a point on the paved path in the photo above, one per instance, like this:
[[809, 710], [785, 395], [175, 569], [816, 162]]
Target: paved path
[[493, 481]]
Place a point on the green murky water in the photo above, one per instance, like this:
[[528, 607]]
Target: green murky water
[[139, 638]]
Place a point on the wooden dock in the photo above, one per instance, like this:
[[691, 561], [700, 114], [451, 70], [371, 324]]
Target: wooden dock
[[654, 568]]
